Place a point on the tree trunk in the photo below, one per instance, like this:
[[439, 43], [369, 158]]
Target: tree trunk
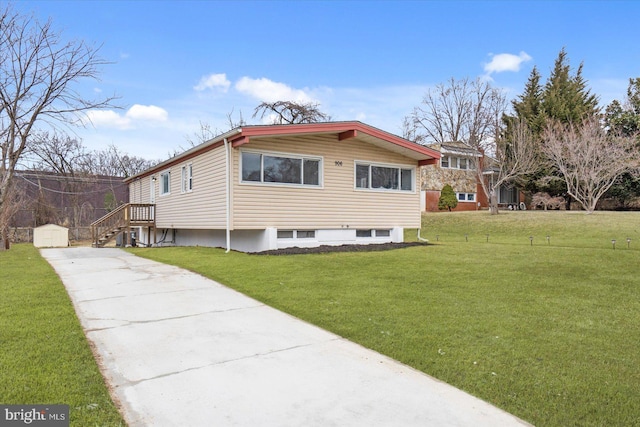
[[493, 202], [5, 244]]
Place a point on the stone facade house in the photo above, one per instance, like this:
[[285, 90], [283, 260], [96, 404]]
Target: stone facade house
[[458, 167]]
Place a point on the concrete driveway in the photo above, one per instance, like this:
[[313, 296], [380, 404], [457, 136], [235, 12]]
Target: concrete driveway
[[182, 350]]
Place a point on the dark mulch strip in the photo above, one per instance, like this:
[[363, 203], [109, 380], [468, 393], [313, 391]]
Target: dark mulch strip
[[343, 248]]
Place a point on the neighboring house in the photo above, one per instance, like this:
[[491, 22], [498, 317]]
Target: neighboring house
[[509, 196], [458, 167], [258, 188]]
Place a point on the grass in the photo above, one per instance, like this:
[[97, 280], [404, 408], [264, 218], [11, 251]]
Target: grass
[[44, 355], [549, 332]]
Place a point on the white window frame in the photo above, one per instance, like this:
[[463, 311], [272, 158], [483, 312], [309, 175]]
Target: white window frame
[[372, 233], [186, 181], [302, 157], [466, 197], [294, 234], [384, 165], [456, 162], [166, 174]]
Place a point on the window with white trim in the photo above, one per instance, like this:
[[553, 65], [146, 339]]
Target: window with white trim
[[451, 162], [165, 183], [281, 169], [384, 177], [296, 234], [466, 197], [373, 233], [187, 178]]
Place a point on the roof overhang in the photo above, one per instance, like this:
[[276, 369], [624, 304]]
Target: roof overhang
[[459, 150], [343, 131]]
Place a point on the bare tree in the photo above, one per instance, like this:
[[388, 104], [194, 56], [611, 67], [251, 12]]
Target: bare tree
[[113, 162], [38, 72], [15, 201], [206, 132], [471, 112], [289, 112], [59, 153], [458, 111], [235, 123], [514, 157], [588, 158], [67, 158]]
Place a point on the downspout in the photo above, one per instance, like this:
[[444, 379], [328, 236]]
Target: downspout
[[228, 195], [420, 238]]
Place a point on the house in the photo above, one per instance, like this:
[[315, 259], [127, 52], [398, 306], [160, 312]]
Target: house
[[458, 167], [264, 187]]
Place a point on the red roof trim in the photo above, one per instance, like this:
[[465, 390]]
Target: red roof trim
[[347, 134], [241, 140], [344, 130], [340, 127], [428, 162]]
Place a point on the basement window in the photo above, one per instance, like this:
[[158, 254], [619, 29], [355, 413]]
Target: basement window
[[296, 234], [373, 233]]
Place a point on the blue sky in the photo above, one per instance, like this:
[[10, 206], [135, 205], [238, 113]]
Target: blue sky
[[177, 64]]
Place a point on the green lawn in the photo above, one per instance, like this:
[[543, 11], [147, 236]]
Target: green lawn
[[44, 356], [549, 332]]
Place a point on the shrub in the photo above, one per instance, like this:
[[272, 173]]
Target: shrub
[[447, 199]]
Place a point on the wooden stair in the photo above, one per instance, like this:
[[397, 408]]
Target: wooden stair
[[120, 221]]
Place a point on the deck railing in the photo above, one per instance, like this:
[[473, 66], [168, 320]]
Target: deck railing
[[121, 219]]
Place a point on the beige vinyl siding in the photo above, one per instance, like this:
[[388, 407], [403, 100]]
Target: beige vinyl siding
[[139, 190], [336, 204], [204, 206]]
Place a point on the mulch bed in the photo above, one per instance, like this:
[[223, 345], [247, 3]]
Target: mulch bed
[[342, 248]]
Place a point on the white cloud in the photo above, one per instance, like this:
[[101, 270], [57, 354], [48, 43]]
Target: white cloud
[[269, 91], [108, 119], [213, 81], [137, 114], [147, 113], [506, 62]]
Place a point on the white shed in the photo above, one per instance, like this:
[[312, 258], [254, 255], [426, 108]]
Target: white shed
[[50, 236]]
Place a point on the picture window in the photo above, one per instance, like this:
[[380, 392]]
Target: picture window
[[383, 177]]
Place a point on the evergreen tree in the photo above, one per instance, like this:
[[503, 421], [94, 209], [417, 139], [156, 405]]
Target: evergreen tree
[[623, 119], [528, 106], [447, 199], [566, 98]]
